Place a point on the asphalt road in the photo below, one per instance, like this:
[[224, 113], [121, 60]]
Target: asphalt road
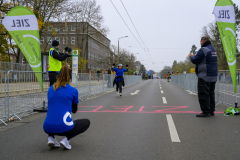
[[150, 124]]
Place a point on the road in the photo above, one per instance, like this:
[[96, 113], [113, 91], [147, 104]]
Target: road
[[157, 122]]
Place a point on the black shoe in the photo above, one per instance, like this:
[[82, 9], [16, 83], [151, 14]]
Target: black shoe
[[212, 114], [203, 115]]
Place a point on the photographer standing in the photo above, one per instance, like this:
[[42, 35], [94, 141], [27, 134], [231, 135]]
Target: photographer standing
[[206, 70], [55, 59]]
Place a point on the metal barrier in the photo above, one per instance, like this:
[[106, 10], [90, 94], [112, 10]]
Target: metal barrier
[[224, 92], [92, 84], [24, 93], [3, 102], [7, 66], [20, 91]]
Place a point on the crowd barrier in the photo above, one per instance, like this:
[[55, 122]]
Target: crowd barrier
[[9, 66], [224, 92], [20, 92]]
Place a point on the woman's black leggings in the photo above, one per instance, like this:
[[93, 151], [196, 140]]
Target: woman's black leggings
[[119, 86], [81, 125]]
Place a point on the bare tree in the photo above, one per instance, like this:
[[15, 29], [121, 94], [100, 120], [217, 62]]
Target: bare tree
[[89, 13]]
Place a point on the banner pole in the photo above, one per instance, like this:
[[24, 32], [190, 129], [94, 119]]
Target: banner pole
[[236, 103]]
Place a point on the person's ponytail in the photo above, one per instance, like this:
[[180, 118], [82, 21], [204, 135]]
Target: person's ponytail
[[63, 78]]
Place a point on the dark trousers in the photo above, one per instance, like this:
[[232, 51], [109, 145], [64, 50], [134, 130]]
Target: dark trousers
[[119, 86], [52, 78], [206, 95], [80, 126]]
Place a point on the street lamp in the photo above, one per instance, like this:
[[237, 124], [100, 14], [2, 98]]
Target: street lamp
[[118, 46]]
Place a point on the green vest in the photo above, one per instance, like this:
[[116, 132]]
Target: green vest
[[54, 64]]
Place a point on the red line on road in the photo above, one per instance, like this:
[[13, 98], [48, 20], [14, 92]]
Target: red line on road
[[141, 108], [124, 109], [97, 109], [109, 111]]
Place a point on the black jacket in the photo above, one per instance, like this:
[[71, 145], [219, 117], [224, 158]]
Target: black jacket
[[60, 56]]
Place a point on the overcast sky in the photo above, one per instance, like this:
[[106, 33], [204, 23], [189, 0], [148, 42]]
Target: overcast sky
[[168, 28]]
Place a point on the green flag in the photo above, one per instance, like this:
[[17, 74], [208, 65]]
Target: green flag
[[22, 25], [225, 16]]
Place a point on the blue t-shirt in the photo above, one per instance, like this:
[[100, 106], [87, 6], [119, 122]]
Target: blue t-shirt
[[119, 72], [58, 118]]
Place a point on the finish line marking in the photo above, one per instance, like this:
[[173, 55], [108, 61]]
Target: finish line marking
[[172, 129], [164, 100], [137, 109]]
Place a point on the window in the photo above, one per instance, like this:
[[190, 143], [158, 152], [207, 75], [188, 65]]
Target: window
[[64, 28], [49, 40], [73, 40], [49, 28], [65, 40], [57, 39], [73, 28], [57, 29], [42, 40]]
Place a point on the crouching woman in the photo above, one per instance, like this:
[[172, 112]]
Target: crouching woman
[[62, 101]]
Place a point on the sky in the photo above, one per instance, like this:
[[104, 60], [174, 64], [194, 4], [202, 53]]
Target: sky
[[168, 28]]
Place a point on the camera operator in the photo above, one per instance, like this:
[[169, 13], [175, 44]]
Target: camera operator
[[55, 58]]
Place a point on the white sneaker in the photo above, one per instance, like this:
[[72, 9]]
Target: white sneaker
[[65, 143], [120, 94], [52, 142]]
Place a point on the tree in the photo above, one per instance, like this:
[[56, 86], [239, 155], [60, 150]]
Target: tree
[[4, 57], [165, 70], [44, 10], [211, 31], [89, 13], [193, 49]]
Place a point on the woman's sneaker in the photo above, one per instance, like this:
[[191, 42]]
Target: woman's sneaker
[[120, 94], [52, 142], [65, 143]]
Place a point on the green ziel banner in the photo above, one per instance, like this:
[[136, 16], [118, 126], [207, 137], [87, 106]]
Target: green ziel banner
[[22, 25], [225, 16]]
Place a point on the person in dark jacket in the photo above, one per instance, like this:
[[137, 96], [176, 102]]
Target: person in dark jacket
[[98, 74], [109, 77], [206, 70], [55, 59]]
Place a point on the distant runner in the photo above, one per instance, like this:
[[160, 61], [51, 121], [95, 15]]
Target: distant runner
[[168, 76], [119, 80]]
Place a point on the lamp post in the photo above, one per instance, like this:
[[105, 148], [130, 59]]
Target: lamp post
[[118, 46]]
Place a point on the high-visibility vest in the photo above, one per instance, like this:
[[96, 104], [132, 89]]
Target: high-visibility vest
[[54, 64]]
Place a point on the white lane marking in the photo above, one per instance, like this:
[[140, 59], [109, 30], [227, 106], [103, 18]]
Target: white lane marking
[[228, 93], [164, 100], [172, 129], [190, 92], [136, 92], [161, 91], [160, 87]]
